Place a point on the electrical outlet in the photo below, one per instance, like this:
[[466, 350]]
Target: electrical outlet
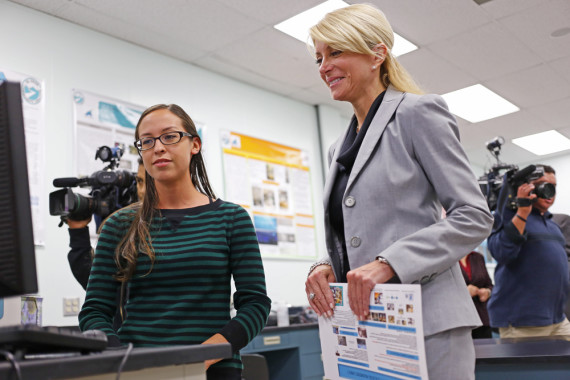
[[70, 307]]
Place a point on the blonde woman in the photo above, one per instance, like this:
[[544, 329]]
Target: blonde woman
[[398, 163]]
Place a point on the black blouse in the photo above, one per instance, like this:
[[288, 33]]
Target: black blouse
[[345, 160]]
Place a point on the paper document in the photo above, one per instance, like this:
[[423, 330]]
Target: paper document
[[389, 345]]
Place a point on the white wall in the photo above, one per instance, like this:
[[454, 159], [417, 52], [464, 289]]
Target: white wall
[[67, 56]]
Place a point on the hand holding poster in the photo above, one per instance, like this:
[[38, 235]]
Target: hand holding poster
[[388, 345]]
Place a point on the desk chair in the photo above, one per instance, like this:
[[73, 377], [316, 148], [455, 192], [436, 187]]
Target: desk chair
[[254, 367]]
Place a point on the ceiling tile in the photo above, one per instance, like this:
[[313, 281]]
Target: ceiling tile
[[486, 53], [434, 74], [424, 22], [270, 12], [502, 8], [544, 19], [556, 114], [530, 87], [562, 67]]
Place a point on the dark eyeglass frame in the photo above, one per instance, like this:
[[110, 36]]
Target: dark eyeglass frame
[[138, 143]]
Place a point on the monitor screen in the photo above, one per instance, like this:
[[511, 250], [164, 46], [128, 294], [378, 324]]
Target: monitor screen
[[17, 255]]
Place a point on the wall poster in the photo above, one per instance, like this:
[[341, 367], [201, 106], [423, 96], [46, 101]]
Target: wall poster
[[33, 107], [273, 182], [101, 121]]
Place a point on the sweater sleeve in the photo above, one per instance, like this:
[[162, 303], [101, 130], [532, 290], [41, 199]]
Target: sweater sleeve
[[505, 242], [100, 301], [79, 256], [433, 136], [250, 298]]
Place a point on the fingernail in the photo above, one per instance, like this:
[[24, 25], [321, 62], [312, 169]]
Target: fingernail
[[329, 313], [331, 305]]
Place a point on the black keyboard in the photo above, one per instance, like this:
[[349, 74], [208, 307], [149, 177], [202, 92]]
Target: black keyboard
[[31, 339]]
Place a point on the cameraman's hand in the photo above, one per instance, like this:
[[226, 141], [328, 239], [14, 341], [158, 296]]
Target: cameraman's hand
[[523, 192], [73, 224]]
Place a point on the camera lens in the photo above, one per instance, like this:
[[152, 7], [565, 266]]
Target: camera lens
[[545, 190]]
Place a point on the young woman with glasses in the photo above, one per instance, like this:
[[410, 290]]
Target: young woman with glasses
[[177, 251]]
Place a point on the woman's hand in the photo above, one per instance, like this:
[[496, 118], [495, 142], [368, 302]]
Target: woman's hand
[[214, 339], [473, 290], [484, 294], [361, 281], [317, 284]]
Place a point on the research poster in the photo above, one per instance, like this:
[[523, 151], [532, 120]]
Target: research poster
[[101, 121], [388, 345], [273, 183], [33, 107]]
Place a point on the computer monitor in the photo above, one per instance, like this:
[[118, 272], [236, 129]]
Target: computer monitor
[[17, 256]]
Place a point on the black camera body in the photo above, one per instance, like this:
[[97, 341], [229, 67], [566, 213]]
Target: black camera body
[[111, 190]]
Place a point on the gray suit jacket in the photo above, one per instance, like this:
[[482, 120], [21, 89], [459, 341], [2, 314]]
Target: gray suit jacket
[[410, 165]]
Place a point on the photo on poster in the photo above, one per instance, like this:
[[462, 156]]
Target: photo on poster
[[265, 229]]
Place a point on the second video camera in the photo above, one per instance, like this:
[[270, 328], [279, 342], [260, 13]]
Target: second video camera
[[110, 190]]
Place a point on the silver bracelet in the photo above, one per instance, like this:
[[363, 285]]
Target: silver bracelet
[[318, 263]]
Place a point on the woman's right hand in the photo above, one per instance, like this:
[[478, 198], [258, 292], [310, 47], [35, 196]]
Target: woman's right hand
[[473, 290], [318, 284]]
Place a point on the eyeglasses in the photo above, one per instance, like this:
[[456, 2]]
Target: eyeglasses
[[167, 138]]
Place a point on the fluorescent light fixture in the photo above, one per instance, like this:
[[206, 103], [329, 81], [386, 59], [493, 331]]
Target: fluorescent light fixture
[[544, 142], [298, 26], [402, 46], [477, 103]]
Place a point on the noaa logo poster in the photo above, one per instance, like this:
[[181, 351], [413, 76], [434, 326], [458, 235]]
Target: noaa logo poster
[[33, 106], [103, 121]]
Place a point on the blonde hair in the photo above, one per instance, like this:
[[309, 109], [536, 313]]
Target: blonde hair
[[359, 28]]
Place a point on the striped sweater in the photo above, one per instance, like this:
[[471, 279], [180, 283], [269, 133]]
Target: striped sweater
[[185, 299]]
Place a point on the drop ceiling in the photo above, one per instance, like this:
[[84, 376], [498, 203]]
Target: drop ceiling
[[508, 46]]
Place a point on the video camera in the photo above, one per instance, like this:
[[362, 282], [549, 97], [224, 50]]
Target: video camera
[[110, 190], [491, 183]]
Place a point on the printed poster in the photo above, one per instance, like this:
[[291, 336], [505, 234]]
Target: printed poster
[[273, 183], [388, 345], [33, 106], [102, 121]]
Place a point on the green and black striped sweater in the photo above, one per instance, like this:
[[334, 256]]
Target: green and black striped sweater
[[185, 299]]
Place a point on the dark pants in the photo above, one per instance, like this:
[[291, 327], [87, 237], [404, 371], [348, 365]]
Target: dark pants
[[482, 332], [223, 374]]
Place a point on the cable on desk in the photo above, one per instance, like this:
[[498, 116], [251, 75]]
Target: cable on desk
[[8, 355], [125, 357]]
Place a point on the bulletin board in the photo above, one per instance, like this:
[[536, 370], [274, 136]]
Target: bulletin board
[[273, 183]]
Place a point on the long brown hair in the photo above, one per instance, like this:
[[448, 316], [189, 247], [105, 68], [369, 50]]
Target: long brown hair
[[137, 238]]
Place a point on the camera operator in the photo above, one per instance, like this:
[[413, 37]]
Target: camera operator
[[80, 255], [531, 277]]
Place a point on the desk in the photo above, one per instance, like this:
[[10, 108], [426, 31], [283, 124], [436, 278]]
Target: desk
[[546, 358], [292, 352], [165, 363]]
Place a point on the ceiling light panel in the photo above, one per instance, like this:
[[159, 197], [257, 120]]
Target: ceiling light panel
[[543, 143], [477, 103]]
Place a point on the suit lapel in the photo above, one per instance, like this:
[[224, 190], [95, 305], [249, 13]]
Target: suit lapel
[[389, 105], [333, 170]]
